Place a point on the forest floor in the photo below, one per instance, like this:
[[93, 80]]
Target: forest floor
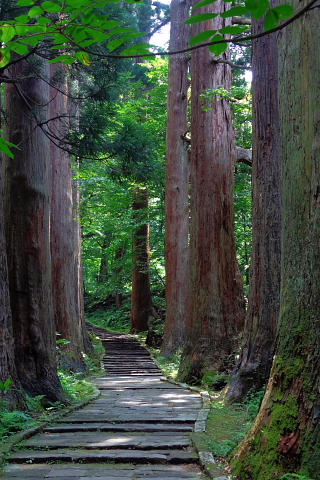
[[140, 427]]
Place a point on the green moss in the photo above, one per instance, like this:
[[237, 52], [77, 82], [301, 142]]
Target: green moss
[[263, 460]]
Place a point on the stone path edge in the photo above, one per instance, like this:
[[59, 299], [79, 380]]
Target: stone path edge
[[206, 459], [13, 440]]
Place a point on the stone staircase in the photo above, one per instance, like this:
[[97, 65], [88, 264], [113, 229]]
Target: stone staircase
[[139, 427]]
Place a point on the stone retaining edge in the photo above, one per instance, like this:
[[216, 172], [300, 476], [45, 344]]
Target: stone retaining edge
[[206, 458], [7, 447]]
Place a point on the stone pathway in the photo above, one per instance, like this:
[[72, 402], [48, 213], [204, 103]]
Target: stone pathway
[[138, 428]]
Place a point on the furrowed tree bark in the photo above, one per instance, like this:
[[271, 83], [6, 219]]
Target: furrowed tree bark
[[141, 305], [64, 233], [177, 185], [286, 435], [28, 235], [217, 301], [253, 368], [14, 397]]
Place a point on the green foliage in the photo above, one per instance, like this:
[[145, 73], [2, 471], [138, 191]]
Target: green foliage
[[77, 388], [111, 319], [5, 386], [294, 476], [12, 422], [255, 8]]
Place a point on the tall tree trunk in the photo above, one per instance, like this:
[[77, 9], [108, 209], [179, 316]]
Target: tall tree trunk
[[217, 302], [64, 235], [28, 235], [177, 185], [141, 305], [14, 396], [286, 434], [255, 362]]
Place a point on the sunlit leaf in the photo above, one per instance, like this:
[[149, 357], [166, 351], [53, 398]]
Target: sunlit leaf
[[4, 57], [22, 19], [84, 58], [44, 20], [204, 3], [51, 7], [19, 48], [35, 11], [34, 41], [26, 3], [233, 12], [7, 33], [202, 37], [218, 48]]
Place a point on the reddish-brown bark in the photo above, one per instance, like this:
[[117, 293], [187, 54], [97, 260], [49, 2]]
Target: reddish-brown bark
[[7, 363], [65, 249], [217, 302], [255, 362], [27, 224], [141, 305], [177, 185]]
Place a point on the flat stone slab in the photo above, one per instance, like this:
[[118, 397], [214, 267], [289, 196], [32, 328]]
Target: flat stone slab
[[123, 427], [107, 440], [101, 472], [117, 456]]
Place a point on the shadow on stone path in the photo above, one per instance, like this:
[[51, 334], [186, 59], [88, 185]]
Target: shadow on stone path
[[139, 427]]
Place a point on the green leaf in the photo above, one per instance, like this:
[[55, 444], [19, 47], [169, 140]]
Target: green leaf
[[34, 41], [250, 4], [234, 29], [35, 11], [4, 57], [122, 30], [202, 37], [26, 3], [219, 47], [51, 7], [115, 44], [233, 12], [59, 38], [7, 33], [204, 4], [80, 34], [98, 35], [86, 19], [43, 21], [22, 19], [201, 18], [19, 48], [272, 20], [84, 58], [87, 43], [284, 11], [260, 8]]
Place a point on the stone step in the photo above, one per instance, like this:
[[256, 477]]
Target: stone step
[[101, 472], [110, 440], [111, 427], [116, 456]]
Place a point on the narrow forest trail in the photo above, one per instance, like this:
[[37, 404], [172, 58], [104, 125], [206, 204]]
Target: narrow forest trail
[[139, 427]]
